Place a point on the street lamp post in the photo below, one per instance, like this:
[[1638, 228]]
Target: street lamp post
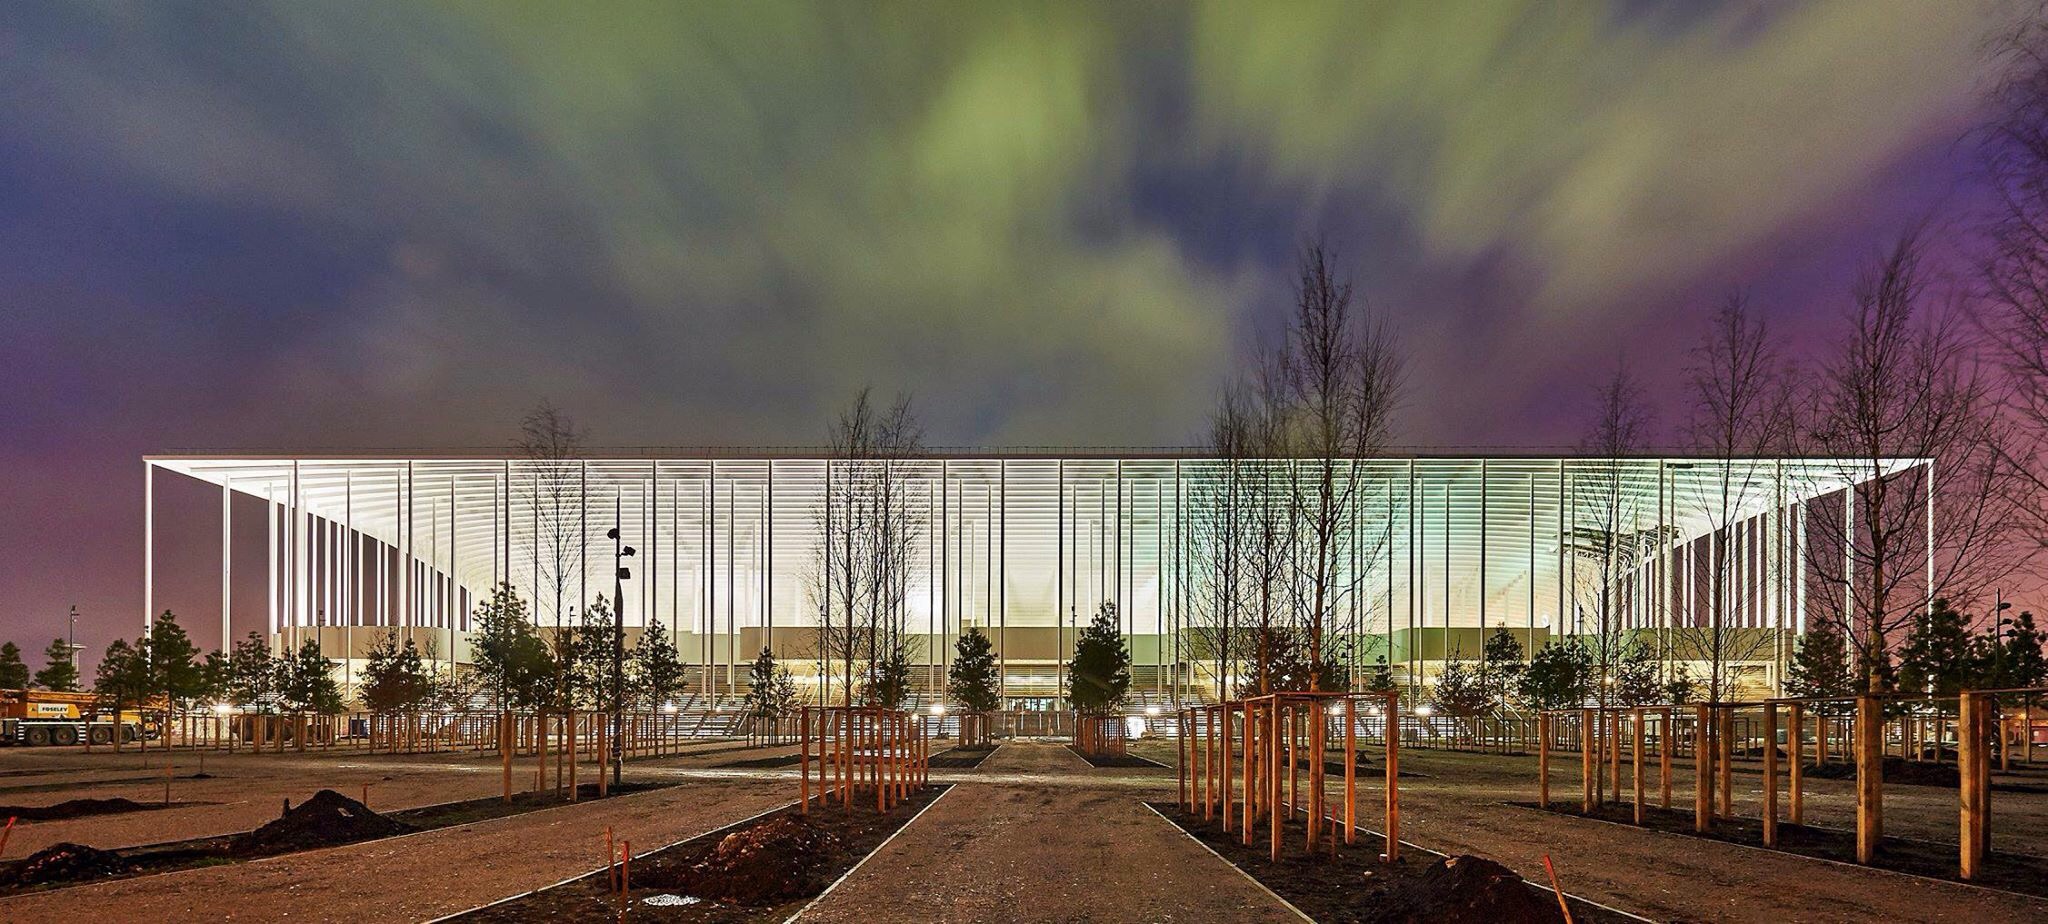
[[620, 573]]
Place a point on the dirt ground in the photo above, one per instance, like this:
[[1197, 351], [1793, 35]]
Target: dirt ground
[[415, 877], [243, 791], [1034, 833], [1455, 805]]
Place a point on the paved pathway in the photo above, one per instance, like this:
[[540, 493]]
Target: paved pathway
[[1012, 849]]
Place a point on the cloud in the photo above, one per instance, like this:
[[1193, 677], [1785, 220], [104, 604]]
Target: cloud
[[727, 200], [1609, 151], [762, 206]]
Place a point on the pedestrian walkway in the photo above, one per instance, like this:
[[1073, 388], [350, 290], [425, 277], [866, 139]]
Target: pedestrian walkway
[[1009, 851]]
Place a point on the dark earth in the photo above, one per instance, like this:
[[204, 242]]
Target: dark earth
[[327, 819], [1355, 887], [759, 870], [1113, 761], [961, 758], [76, 808], [2010, 872]]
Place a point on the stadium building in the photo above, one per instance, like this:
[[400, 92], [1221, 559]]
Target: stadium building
[[1023, 544]]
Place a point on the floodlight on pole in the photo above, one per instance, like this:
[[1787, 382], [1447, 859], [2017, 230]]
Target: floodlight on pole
[[620, 574]]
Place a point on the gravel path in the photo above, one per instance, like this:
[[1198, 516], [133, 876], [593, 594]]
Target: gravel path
[[1010, 851], [410, 878]]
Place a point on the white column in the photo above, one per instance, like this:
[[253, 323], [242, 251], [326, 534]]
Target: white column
[[674, 556], [1483, 533], [454, 588], [383, 584], [408, 614], [1158, 577], [1414, 578], [1717, 580], [1180, 591], [583, 537], [1692, 612], [275, 602], [296, 582], [332, 536], [227, 561], [732, 578], [352, 601], [1799, 541], [1849, 560], [1739, 576], [946, 554], [705, 599], [148, 543], [1529, 640], [430, 572], [1001, 565], [1930, 541], [1562, 619], [1660, 564]]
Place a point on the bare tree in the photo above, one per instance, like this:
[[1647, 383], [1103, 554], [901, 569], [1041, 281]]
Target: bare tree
[[1337, 384], [553, 445], [869, 532], [1912, 428], [1222, 528], [1609, 541], [897, 523], [1269, 555], [2015, 269], [1741, 412], [1279, 527]]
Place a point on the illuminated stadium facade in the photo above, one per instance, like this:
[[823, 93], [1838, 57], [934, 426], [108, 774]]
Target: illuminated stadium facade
[[1023, 545]]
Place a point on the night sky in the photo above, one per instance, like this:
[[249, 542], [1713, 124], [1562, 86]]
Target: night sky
[[228, 226]]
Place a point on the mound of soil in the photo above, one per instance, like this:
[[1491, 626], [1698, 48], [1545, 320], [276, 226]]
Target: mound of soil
[[779, 860], [66, 862], [1469, 890], [1896, 770], [75, 808], [327, 819]]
